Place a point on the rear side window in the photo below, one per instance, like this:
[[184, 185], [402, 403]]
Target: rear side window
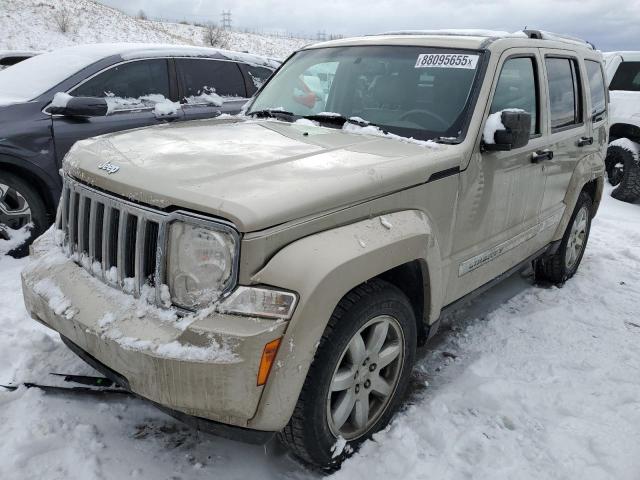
[[201, 77], [257, 77], [596, 88], [517, 88], [627, 77], [131, 80], [564, 92]]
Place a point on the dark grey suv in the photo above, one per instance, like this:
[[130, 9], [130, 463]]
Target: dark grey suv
[[105, 88]]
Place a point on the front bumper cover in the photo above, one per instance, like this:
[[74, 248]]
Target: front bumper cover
[[203, 366]]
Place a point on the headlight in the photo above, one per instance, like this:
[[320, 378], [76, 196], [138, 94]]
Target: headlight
[[200, 264]]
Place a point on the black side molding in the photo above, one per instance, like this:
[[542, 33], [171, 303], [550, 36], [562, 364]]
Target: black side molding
[[443, 174]]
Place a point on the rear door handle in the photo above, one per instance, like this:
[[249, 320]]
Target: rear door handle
[[584, 141], [541, 155]]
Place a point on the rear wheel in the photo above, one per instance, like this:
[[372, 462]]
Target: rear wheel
[[20, 205], [562, 265], [358, 377]]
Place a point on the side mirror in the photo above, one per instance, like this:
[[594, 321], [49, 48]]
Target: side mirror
[[506, 130], [79, 107]]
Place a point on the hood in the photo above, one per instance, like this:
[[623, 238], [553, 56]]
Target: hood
[[255, 174]]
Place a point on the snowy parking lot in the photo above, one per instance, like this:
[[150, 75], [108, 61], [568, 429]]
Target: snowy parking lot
[[527, 382]]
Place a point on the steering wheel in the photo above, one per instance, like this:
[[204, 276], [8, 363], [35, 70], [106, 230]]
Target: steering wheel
[[418, 111]]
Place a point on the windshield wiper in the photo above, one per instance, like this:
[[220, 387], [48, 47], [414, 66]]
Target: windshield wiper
[[337, 119], [272, 113]]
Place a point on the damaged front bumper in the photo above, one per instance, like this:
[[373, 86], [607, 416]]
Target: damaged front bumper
[[201, 368]]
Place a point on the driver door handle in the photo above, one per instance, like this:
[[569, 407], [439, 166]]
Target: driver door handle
[[584, 141], [541, 155]]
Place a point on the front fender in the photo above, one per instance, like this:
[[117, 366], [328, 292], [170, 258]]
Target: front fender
[[322, 268]]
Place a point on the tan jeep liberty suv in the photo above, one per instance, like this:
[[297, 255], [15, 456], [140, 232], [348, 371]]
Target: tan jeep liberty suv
[[274, 272]]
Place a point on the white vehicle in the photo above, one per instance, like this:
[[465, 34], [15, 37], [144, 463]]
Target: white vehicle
[[11, 57], [623, 155]]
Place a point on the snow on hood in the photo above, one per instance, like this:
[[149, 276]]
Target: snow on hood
[[254, 173]]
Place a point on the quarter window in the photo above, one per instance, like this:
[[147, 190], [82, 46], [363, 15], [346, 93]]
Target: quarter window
[[257, 77], [564, 92], [131, 80], [517, 88], [202, 77], [596, 88], [627, 77]]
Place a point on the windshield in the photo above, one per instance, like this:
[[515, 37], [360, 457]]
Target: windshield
[[409, 91], [31, 78]]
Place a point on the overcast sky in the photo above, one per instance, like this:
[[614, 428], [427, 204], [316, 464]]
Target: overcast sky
[[610, 25]]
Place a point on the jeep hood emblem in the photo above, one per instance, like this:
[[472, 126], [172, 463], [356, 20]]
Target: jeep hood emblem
[[108, 167]]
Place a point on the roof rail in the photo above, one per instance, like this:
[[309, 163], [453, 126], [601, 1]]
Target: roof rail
[[558, 37], [494, 35]]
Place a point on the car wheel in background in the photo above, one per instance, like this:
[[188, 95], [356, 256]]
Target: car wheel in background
[[623, 171], [20, 205], [358, 377]]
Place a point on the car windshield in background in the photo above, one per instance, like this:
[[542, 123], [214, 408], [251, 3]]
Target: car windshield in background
[[409, 91], [31, 78], [627, 77]]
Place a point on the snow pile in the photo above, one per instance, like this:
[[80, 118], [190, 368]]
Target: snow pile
[[15, 238], [375, 131], [494, 123], [60, 100], [628, 145], [31, 25]]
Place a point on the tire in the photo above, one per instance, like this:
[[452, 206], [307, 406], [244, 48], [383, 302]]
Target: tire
[[615, 156], [562, 265], [628, 189], [314, 429], [21, 204]]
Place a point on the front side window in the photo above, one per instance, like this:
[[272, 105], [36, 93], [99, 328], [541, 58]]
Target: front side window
[[564, 92], [596, 88], [200, 77], [138, 84], [517, 89], [418, 92], [627, 77]]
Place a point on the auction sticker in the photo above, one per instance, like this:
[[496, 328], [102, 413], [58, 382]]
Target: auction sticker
[[446, 60]]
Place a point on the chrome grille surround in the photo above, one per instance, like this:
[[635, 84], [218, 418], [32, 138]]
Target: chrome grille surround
[[101, 232]]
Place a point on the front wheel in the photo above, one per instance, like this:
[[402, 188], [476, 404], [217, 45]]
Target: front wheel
[[563, 264], [20, 206], [358, 377]]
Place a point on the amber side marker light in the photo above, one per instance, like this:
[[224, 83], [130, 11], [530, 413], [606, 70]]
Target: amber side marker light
[[268, 356]]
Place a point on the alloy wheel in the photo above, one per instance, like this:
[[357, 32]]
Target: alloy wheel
[[365, 378]]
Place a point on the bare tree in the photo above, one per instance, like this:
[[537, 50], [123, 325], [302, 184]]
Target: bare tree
[[62, 17], [142, 15], [215, 36]]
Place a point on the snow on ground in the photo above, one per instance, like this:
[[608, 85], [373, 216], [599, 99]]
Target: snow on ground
[[31, 25], [545, 383]]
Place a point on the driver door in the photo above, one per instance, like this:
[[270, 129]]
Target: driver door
[[501, 192], [125, 87]]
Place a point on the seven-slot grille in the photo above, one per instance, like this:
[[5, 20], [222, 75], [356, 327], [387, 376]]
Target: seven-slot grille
[[117, 241]]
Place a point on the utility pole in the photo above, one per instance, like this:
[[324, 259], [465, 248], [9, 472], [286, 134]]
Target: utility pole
[[226, 19]]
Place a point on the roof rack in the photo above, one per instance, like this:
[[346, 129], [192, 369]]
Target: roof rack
[[494, 35], [558, 37]]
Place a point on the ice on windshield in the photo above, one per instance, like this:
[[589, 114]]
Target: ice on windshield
[[413, 92]]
